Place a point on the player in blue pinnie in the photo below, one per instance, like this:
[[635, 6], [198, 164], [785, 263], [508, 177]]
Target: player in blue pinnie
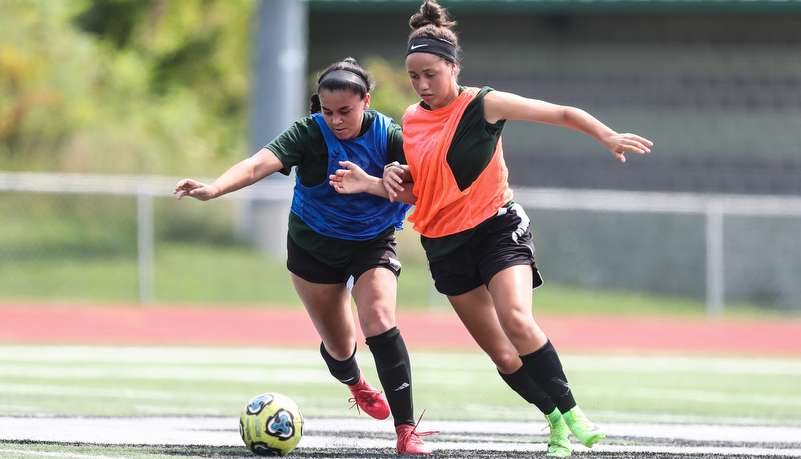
[[339, 245]]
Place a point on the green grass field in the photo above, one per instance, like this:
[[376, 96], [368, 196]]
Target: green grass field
[[60, 383], [205, 381]]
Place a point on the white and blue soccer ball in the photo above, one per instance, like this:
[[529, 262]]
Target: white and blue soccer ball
[[271, 425]]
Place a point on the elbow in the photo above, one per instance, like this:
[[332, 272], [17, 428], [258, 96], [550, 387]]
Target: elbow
[[571, 116]]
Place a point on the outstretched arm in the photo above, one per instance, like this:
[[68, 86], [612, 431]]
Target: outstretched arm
[[503, 105], [240, 175], [354, 179]]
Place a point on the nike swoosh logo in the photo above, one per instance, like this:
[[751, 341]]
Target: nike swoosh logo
[[418, 46]]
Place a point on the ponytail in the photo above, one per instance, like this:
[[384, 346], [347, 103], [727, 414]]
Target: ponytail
[[315, 104]]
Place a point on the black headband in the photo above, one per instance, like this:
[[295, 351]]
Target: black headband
[[431, 45], [345, 75]]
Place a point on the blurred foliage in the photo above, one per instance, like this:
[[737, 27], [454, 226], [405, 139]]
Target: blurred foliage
[[392, 93], [124, 86], [136, 86]]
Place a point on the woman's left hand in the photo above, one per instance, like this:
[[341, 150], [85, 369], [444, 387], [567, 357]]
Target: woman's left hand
[[620, 144]]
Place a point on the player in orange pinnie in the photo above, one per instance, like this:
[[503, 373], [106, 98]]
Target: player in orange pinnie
[[477, 239]]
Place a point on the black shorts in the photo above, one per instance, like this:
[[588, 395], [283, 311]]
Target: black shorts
[[377, 252], [496, 244]]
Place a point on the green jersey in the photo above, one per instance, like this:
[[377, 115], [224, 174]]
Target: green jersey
[[303, 147]]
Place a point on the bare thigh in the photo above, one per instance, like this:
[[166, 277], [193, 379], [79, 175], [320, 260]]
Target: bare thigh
[[511, 293], [477, 312], [328, 306], [375, 295]]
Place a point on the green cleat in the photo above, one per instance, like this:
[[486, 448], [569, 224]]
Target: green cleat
[[587, 432], [558, 445]]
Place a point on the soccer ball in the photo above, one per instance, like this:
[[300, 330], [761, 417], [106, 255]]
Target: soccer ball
[[271, 425]]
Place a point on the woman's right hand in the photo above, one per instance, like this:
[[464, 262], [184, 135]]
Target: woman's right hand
[[193, 189], [352, 179]]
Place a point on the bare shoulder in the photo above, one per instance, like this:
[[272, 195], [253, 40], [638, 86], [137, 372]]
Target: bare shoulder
[[495, 103]]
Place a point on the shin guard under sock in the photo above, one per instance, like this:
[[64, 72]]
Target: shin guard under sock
[[545, 368], [346, 371], [522, 383], [394, 370]]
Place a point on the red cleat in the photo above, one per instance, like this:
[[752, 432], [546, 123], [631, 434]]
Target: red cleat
[[369, 399], [409, 441]]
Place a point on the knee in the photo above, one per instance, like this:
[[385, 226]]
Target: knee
[[376, 321], [507, 360], [520, 327], [340, 350]]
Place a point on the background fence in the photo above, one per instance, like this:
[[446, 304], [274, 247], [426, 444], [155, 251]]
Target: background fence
[[726, 249]]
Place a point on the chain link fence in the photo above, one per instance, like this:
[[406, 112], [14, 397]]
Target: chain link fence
[[82, 237]]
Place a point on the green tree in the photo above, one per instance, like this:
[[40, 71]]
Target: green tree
[[123, 86], [136, 86], [393, 93]]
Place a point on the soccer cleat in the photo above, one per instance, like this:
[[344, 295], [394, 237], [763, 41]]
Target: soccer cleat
[[409, 441], [369, 399], [587, 432], [558, 444]]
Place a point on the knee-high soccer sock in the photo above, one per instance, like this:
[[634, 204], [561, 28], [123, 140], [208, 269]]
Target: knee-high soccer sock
[[522, 383], [545, 368], [395, 372], [346, 371]]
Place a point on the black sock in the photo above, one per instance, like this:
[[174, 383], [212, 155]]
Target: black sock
[[394, 370], [545, 368], [522, 383], [346, 371]]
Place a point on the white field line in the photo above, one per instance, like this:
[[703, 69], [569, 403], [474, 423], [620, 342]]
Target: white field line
[[55, 454], [154, 354], [59, 388], [54, 366], [221, 372], [176, 371], [361, 433], [310, 359]]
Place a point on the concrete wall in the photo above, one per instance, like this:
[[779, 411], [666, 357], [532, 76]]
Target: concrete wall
[[720, 95]]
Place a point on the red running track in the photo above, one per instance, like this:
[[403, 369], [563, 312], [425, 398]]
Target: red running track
[[62, 323]]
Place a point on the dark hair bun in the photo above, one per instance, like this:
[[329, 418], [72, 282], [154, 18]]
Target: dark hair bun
[[431, 13]]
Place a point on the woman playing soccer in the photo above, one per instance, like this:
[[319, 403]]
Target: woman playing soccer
[[476, 238], [340, 246]]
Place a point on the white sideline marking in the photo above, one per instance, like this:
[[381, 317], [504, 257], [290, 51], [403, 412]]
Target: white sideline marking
[[55, 454], [345, 433], [309, 359]]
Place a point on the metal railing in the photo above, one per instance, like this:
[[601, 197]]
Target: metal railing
[[715, 208]]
